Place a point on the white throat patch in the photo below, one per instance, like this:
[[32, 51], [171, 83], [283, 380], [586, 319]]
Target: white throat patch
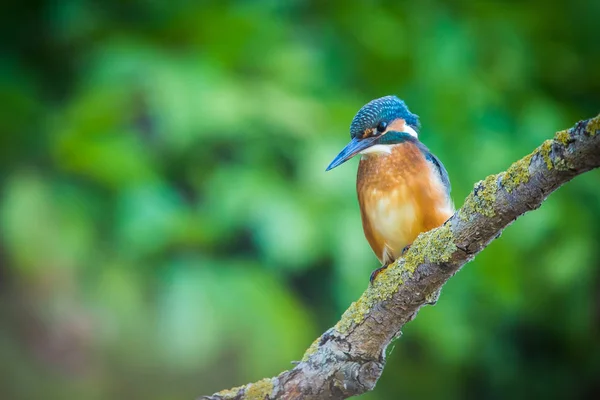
[[378, 149], [408, 129]]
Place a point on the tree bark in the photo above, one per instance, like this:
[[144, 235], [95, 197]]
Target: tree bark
[[349, 358]]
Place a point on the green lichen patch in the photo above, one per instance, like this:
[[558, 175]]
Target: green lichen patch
[[355, 314], [229, 393], [544, 150], [517, 173], [481, 199], [312, 349], [434, 246], [563, 137], [260, 390], [562, 165], [593, 125], [382, 288]]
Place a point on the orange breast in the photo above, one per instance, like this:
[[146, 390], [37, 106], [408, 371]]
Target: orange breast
[[400, 196]]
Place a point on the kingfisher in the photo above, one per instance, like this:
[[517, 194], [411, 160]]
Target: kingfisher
[[403, 189]]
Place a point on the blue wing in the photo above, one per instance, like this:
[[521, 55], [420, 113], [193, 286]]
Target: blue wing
[[441, 170]]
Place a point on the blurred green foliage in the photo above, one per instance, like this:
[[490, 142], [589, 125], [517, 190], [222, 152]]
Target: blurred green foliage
[[168, 230]]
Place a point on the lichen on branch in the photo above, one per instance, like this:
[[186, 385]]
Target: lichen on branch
[[349, 358]]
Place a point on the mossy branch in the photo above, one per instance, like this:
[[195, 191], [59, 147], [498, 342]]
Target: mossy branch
[[348, 359]]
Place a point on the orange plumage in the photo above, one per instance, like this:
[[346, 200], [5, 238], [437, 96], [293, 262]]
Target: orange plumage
[[400, 195]]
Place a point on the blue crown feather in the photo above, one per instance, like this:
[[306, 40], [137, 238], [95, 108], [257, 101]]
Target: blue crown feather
[[384, 109]]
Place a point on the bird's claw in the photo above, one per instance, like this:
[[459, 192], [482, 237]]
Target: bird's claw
[[376, 272], [405, 249]]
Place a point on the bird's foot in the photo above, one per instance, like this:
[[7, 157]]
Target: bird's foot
[[376, 272], [405, 249]]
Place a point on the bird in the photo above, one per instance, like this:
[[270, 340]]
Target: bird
[[403, 189]]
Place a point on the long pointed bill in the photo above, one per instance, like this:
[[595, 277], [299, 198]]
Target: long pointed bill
[[354, 147]]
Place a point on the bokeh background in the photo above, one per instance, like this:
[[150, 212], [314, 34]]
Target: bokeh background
[[168, 229]]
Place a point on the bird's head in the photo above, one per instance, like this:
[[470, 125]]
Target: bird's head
[[371, 125]]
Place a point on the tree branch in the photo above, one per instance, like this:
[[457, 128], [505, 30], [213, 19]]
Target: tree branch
[[348, 359]]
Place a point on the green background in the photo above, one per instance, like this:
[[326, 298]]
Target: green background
[[168, 229]]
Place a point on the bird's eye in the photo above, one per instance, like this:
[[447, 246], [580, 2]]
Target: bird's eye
[[381, 127]]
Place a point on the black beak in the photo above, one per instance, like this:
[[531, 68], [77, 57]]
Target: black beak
[[354, 147]]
